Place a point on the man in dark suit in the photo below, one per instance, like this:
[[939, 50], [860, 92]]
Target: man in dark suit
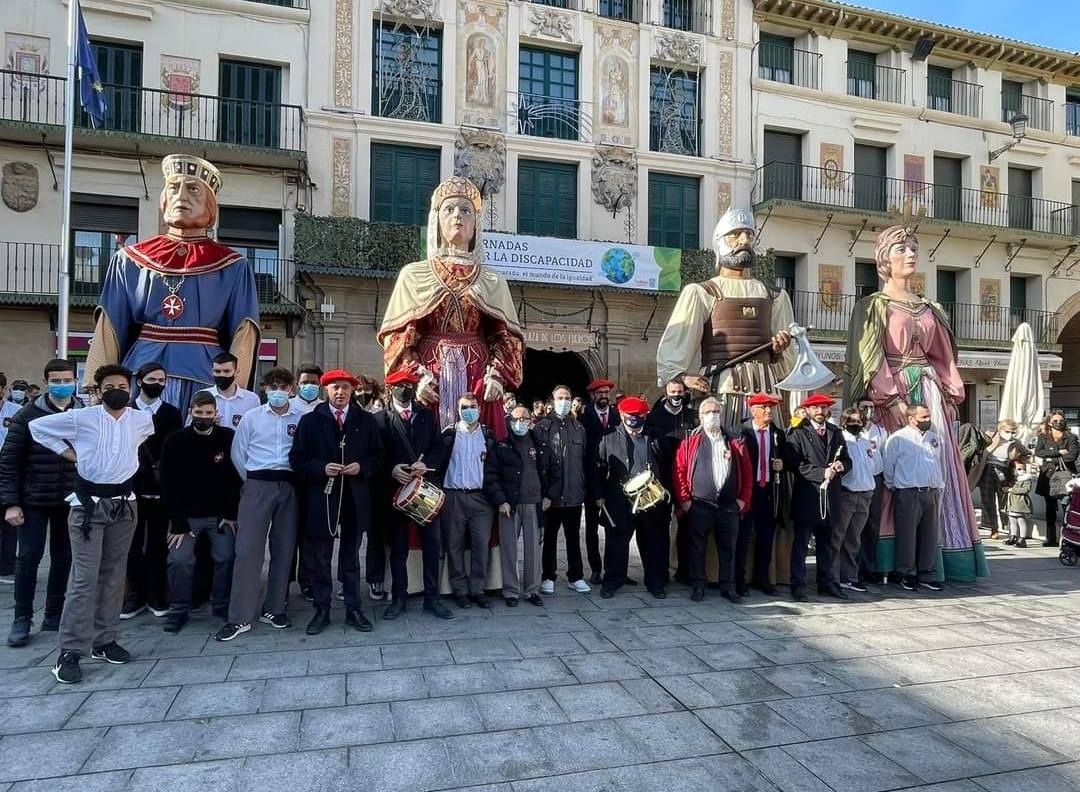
[[148, 557], [599, 419], [768, 448], [622, 454], [413, 446], [818, 457], [336, 453]]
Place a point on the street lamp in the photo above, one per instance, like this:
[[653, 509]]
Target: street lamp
[[1019, 130]]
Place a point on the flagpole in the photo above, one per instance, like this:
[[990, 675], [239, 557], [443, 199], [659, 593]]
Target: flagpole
[[64, 295]]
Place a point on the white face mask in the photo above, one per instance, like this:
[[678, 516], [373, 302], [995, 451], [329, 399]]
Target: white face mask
[[562, 407], [711, 422]]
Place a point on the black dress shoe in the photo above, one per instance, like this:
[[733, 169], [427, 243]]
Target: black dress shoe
[[731, 596], [357, 619], [319, 622], [596, 577], [743, 591], [698, 594], [832, 590], [511, 602], [175, 621], [607, 593], [462, 601], [480, 601], [659, 593], [20, 631], [535, 599], [395, 609], [766, 588], [437, 609], [798, 594]]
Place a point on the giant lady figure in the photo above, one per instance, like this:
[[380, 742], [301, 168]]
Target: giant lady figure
[[901, 351], [450, 319]]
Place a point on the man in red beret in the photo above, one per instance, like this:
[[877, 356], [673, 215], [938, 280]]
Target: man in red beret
[[623, 453], [336, 453], [768, 448], [818, 457], [598, 419]]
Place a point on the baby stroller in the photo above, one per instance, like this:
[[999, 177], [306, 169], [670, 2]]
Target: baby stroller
[[1070, 529]]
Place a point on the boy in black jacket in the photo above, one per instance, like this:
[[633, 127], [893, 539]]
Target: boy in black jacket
[[201, 491]]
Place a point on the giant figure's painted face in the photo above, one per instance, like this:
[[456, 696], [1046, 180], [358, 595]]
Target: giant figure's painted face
[[457, 223], [187, 202]]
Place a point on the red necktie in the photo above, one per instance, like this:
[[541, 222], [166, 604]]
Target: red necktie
[[603, 420], [821, 431], [340, 419], [406, 414], [763, 475]]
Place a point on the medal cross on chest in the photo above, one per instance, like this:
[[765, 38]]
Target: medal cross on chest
[[172, 305]]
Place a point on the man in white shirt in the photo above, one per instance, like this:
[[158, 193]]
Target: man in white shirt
[[103, 442], [913, 474], [877, 435], [260, 454], [232, 400], [308, 390], [856, 493], [468, 510]]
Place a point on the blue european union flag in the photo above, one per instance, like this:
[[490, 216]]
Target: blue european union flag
[[91, 91]]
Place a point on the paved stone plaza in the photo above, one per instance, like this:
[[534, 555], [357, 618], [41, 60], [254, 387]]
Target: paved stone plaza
[[969, 690]]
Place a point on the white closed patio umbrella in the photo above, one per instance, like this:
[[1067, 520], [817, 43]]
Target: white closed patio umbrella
[[1022, 395]]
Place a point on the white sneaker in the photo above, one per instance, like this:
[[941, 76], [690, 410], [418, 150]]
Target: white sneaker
[[547, 588], [580, 586]]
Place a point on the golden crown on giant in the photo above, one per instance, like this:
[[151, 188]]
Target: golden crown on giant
[[176, 165], [456, 187]]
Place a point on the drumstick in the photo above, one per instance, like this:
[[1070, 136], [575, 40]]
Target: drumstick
[[607, 514]]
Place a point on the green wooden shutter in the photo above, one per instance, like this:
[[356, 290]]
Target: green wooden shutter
[[776, 58], [547, 198], [120, 67], [861, 74], [674, 214], [1011, 101], [250, 109], [402, 180]]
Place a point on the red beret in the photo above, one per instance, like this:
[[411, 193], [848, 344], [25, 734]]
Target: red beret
[[762, 400], [597, 384], [632, 405], [338, 375], [818, 400], [402, 377]]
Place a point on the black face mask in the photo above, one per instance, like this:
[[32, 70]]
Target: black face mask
[[115, 398], [403, 394], [854, 428], [675, 401], [152, 389], [1058, 424], [923, 426], [224, 383], [364, 398], [202, 424]]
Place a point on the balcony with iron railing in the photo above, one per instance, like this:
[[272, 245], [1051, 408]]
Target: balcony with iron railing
[[413, 100], [874, 81], [563, 118], [1039, 112], [778, 63], [829, 314], [37, 100], [624, 10], [693, 16], [1072, 118], [301, 5], [30, 274], [953, 96], [678, 134], [834, 189], [569, 5]]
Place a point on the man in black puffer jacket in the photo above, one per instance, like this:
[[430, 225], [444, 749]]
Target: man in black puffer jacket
[[34, 483]]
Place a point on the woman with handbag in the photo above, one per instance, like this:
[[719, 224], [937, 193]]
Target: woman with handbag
[[997, 476], [1058, 449]]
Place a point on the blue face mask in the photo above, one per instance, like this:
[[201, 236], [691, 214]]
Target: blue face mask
[[520, 428], [62, 390], [277, 398], [470, 415], [309, 391], [562, 407]]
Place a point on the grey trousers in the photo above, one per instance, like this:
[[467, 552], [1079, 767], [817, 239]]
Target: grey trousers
[[181, 564], [915, 517], [470, 515], [95, 591], [266, 507], [524, 521], [847, 534]]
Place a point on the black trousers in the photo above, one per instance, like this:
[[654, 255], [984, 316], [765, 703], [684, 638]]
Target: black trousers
[[617, 549], [32, 533], [653, 533], [1052, 507], [147, 576], [320, 553], [592, 535], [868, 544], [569, 519], [822, 531], [431, 549], [723, 523], [9, 542], [758, 524]]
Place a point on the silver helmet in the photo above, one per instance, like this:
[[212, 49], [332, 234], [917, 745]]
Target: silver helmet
[[732, 220]]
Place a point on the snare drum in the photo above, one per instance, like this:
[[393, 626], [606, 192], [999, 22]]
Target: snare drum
[[644, 491], [420, 500]]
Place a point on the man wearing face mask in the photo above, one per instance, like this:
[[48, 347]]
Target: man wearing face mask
[[467, 446], [306, 399], [103, 442], [623, 453], [307, 388], [412, 446], [673, 420], [599, 419], [512, 484], [260, 454], [997, 477], [561, 442], [17, 394], [201, 491], [767, 446], [913, 474], [856, 493], [876, 435], [233, 402], [34, 483], [146, 566]]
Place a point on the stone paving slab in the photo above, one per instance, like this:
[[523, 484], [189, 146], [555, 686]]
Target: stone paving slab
[[969, 690]]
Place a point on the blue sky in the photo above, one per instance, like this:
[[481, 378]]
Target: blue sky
[[1051, 23]]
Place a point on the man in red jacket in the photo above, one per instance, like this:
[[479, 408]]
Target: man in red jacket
[[713, 482]]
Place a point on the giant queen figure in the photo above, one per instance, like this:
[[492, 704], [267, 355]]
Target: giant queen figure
[[450, 319], [179, 298], [901, 351]]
